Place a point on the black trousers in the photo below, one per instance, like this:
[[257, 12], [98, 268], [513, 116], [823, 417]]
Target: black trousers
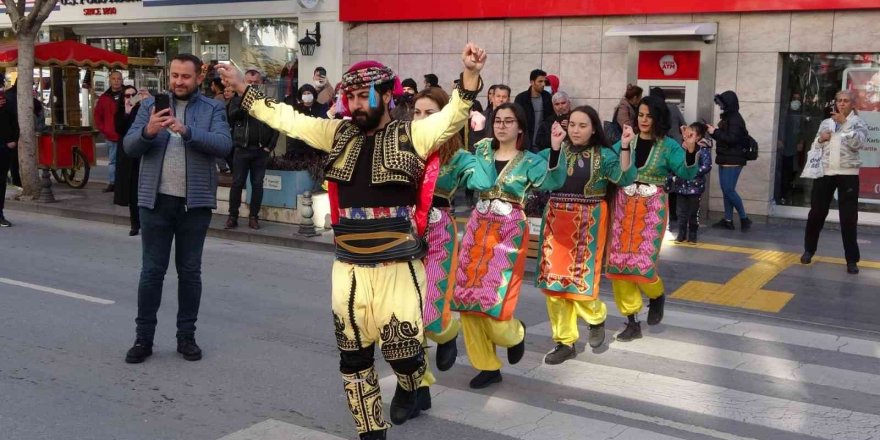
[[848, 206], [5, 159], [688, 207], [253, 162], [672, 201]]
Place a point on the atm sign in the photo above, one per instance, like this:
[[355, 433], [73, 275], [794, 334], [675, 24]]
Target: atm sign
[[666, 64]]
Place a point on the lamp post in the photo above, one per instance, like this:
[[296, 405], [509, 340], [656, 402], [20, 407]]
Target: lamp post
[[312, 39]]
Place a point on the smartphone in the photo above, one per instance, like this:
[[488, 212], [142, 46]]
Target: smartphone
[[163, 101]]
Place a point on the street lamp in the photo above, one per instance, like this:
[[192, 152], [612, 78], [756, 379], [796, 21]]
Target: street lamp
[[307, 44]]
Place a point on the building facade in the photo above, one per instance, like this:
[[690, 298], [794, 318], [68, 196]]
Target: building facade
[[691, 49]]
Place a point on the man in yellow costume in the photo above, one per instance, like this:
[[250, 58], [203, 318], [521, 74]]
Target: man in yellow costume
[[378, 279]]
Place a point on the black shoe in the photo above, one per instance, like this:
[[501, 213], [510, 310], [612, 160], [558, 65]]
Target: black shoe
[[515, 353], [724, 224], [560, 354], [485, 378], [231, 223], [745, 224], [682, 235], [446, 354], [852, 268], [4, 223], [692, 235], [186, 345], [404, 406], [423, 397], [597, 335], [632, 331], [373, 435], [655, 310], [109, 189], [806, 257], [141, 350], [134, 231]]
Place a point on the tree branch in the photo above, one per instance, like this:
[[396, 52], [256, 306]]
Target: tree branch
[[12, 11], [43, 8]]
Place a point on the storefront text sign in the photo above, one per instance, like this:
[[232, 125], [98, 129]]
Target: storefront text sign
[[272, 182], [865, 83], [665, 64], [94, 2]]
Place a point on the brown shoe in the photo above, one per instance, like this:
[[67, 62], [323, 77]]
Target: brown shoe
[[253, 223], [231, 223]]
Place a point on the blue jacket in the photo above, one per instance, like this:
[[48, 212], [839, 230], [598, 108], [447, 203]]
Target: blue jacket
[[209, 138], [697, 185]]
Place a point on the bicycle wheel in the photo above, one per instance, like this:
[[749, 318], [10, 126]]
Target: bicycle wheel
[[78, 175], [58, 175]]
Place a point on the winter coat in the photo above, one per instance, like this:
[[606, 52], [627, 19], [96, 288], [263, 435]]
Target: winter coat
[[840, 155], [127, 167], [208, 139], [697, 185], [625, 114], [731, 135], [105, 115], [524, 100]]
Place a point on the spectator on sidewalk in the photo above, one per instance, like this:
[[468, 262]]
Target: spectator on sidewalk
[[176, 193], [536, 102], [676, 119], [490, 96], [217, 88], [731, 139], [127, 167], [325, 90], [409, 86], [840, 139], [105, 115], [254, 143], [561, 110], [431, 80], [690, 192], [625, 112], [553, 83], [792, 144], [8, 143], [39, 126]]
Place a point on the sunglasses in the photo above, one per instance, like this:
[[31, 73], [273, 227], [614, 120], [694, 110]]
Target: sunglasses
[[130, 95]]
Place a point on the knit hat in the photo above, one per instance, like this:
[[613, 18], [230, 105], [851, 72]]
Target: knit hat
[[411, 83], [367, 74]]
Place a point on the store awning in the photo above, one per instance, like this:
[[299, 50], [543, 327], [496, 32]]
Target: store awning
[[664, 30], [64, 53]]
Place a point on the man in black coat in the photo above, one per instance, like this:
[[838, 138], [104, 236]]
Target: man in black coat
[[536, 102]]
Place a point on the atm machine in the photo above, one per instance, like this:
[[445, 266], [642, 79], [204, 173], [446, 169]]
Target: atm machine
[[677, 72]]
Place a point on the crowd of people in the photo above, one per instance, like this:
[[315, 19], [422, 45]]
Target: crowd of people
[[395, 158]]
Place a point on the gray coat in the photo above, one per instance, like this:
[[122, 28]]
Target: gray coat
[[209, 138]]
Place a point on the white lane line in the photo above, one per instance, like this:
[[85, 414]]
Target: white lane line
[[745, 362], [518, 420], [56, 291], [770, 333], [706, 399], [655, 420], [277, 430]]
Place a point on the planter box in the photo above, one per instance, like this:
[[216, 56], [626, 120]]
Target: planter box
[[281, 188]]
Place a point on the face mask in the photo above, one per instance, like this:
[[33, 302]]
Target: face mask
[[795, 105], [320, 83], [548, 89], [308, 98]]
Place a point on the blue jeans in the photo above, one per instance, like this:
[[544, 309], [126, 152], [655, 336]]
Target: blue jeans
[[728, 177], [111, 168], [170, 221]]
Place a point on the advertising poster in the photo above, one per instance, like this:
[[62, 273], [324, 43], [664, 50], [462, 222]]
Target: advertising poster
[[865, 82]]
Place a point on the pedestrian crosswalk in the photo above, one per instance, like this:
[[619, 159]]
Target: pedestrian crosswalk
[[696, 376]]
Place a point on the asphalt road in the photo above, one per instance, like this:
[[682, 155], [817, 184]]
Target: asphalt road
[[270, 365]]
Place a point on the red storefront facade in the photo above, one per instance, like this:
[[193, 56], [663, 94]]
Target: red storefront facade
[[770, 52]]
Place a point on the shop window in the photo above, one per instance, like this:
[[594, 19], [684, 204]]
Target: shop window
[[809, 84]]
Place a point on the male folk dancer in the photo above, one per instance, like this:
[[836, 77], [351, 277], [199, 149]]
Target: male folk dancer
[[378, 279]]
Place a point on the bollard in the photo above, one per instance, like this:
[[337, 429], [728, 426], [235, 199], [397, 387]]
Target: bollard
[[46, 195], [307, 226]]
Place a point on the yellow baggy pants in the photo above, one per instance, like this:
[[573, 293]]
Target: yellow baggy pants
[[564, 313], [628, 295], [482, 334]]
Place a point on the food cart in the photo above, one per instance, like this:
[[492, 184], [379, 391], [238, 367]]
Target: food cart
[[67, 147]]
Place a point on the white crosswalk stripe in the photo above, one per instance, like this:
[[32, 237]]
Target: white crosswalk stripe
[[789, 382], [277, 430]]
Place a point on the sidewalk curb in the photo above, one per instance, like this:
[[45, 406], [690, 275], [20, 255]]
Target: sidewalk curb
[[245, 236]]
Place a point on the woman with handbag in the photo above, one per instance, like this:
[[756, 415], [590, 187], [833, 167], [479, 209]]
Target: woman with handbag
[[839, 140]]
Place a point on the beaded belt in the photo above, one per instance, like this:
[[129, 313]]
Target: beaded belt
[[497, 206], [641, 189], [574, 198]]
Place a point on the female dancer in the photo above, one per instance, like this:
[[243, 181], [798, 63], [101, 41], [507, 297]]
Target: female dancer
[[494, 245], [640, 214], [575, 230]]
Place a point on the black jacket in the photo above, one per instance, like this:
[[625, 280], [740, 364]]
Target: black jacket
[[524, 100], [127, 167], [317, 110], [257, 133], [731, 136], [8, 126], [542, 142]]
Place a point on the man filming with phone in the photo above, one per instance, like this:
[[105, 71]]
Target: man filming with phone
[[325, 90], [177, 138]]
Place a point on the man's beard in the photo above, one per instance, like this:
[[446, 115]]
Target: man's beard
[[369, 120], [184, 97]]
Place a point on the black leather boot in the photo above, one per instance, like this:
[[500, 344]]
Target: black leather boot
[[632, 331], [446, 354], [403, 406]]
